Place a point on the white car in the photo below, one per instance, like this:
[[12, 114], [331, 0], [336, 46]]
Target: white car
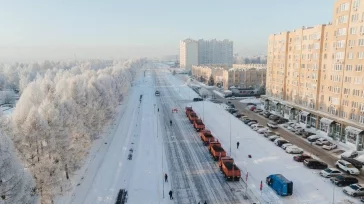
[[272, 138], [347, 167], [321, 141], [284, 146], [289, 124], [330, 172], [313, 137], [329, 146], [294, 150], [354, 190], [272, 125], [256, 124], [262, 130]]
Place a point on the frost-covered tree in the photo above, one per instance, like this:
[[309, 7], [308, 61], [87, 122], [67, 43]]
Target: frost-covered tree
[[61, 112], [16, 184]]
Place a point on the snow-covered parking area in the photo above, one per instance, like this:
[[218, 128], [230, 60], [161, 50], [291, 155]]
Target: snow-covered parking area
[[267, 158]]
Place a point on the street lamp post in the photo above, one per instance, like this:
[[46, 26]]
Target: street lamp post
[[162, 164], [333, 195], [230, 132]]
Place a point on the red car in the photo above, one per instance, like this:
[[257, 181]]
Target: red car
[[301, 157], [253, 108]]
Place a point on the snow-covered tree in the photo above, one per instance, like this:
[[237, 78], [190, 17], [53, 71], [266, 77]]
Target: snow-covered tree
[[16, 184]]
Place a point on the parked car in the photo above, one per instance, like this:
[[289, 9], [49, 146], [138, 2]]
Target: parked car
[[266, 114], [347, 167], [282, 120], [272, 138], [252, 108], [254, 125], [280, 142], [321, 141], [294, 150], [314, 164], [284, 146], [239, 115], [357, 164], [329, 146], [302, 157], [342, 180], [261, 113], [349, 154], [232, 110], [362, 199], [290, 128], [258, 110], [306, 134], [197, 99], [354, 190], [330, 172], [273, 117], [262, 130], [272, 125], [251, 104], [313, 138], [297, 130], [246, 121], [157, 93], [289, 124], [269, 133]]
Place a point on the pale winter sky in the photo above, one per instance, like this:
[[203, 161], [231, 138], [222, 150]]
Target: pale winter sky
[[130, 28]]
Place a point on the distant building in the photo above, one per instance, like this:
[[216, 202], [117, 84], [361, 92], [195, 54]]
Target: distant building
[[188, 53], [215, 52], [241, 75], [206, 52]]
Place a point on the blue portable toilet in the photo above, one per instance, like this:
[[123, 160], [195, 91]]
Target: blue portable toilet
[[280, 184]]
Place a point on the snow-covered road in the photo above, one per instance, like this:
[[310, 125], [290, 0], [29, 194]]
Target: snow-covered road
[[108, 169], [195, 176]]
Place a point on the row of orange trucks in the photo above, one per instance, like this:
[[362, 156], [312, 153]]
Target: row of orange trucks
[[226, 163]]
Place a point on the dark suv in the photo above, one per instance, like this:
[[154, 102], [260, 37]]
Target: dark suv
[[197, 99], [343, 180], [314, 164]]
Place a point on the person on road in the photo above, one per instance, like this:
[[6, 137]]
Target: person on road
[[165, 178], [205, 202], [237, 145], [170, 122], [170, 195]]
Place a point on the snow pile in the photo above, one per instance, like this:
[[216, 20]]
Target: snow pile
[[60, 114], [251, 100]]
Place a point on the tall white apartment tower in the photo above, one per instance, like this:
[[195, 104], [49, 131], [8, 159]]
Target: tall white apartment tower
[[188, 53], [218, 52]]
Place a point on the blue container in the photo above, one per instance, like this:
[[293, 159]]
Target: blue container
[[280, 184]]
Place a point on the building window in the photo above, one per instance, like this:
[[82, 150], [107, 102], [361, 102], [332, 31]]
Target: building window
[[356, 4], [360, 55], [354, 17], [350, 55], [342, 19], [353, 30], [359, 68], [361, 42], [349, 67], [361, 119]]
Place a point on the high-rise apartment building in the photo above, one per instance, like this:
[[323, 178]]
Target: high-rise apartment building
[[315, 74], [188, 53], [206, 52], [215, 52]]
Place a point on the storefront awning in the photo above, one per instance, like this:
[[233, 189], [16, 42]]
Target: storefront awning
[[326, 121], [353, 130], [304, 113]]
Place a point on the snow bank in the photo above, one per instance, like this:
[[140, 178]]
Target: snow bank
[[251, 100]]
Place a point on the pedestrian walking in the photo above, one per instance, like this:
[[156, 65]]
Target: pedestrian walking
[[170, 195], [205, 202], [170, 122], [237, 145], [165, 178]]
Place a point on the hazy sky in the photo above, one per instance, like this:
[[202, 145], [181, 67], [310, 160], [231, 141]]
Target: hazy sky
[[103, 28]]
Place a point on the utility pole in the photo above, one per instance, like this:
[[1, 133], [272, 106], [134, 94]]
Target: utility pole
[[162, 164]]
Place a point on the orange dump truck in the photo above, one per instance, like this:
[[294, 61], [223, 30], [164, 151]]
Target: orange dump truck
[[192, 116], [207, 137], [198, 125], [217, 152], [214, 143], [188, 110], [230, 170], [227, 158]]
